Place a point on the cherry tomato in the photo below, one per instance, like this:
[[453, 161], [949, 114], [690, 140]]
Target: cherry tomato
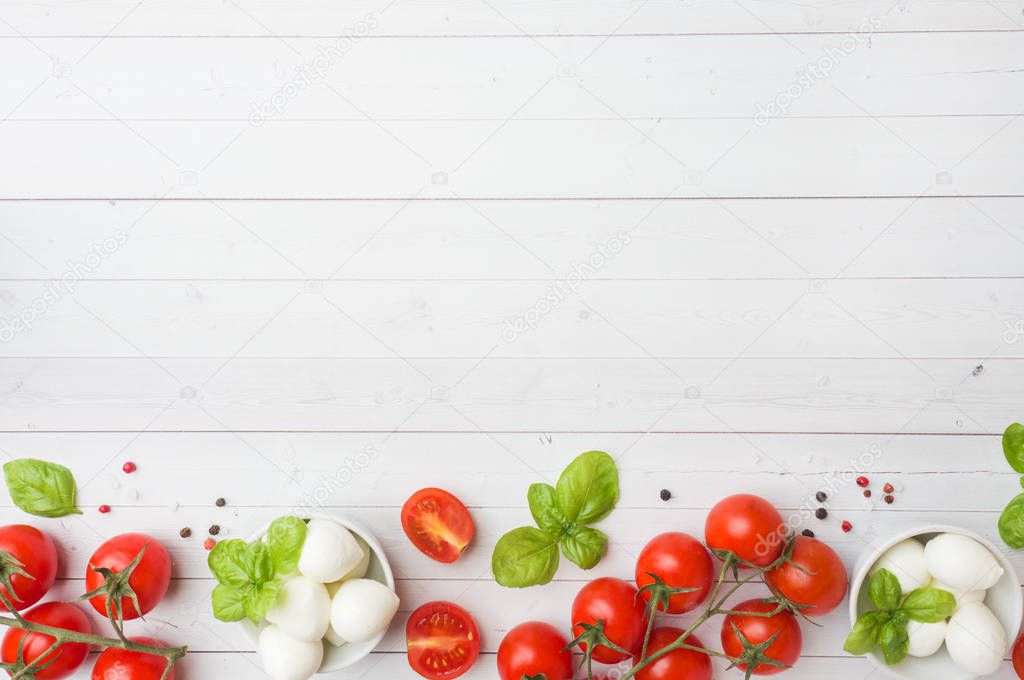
[[38, 557], [438, 524], [614, 602], [118, 664], [680, 664], [681, 561], [757, 629], [64, 660], [149, 580], [748, 526], [534, 648], [443, 640], [1018, 656], [814, 575]]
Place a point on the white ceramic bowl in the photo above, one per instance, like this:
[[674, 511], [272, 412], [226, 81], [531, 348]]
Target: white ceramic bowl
[[336, 658], [1004, 599]]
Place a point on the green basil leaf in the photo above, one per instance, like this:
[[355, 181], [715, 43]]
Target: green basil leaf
[[864, 636], [525, 557], [285, 538], [229, 562], [1013, 446], [884, 590], [1011, 523], [260, 598], [228, 602], [544, 510], [588, 488], [929, 605], [585, 546], [41, 488], [260, 567], [894, 642]]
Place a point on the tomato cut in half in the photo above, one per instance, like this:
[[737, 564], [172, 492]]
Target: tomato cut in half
[[438, 524], [443, 640]]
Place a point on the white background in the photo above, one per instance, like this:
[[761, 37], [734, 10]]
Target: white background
[[835, 290]]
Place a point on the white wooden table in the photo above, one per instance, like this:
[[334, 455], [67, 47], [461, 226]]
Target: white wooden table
[[729, 242]]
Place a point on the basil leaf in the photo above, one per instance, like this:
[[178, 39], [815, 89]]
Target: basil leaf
[[1013, 446], [41, 488], [588, 488], [285, 538], [884, 590], [525, 557], [544, 510], [929, 605], [228, 562], [864, 636], [228, 603], [260, 598], [1011, 523], [584, 546], [260, 567], [894, 642]]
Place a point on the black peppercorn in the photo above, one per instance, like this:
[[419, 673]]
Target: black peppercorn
[[867, 493], [821, 513], [821, 496], [220, 502], [666, 494], [889, 499], [214, 530], [808, 533], [185, 532]]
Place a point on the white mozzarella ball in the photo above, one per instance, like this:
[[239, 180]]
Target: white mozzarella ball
[[962, 562], [334, 638], [330, 551], [975, 639], [906, 562], [925, 638], [285, 658], [962, 597], [302, 610], [362, 609]]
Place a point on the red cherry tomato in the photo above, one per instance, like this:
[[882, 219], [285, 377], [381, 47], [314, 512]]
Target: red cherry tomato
[[681, 561], [438, 524], [532, 649], [149, 580], [758, 629], [1018, 656], [38, 557], [118, 664], [614, 602], [748, 526], [64, 660], [814, 576], [443, 640], [680, 664]]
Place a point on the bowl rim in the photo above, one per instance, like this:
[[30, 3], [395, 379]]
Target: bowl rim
[[870, 557]]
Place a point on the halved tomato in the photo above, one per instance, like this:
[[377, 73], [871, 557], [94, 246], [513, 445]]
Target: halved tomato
[[438, 524], [443, 640]]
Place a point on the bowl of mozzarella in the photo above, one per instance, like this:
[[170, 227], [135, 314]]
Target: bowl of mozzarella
[[334, 609], [973, 642]]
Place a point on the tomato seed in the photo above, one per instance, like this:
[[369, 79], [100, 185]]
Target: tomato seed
[[821, 513], [889, 499], [846, 526], [129, 467], [862, 481], [888, 488], [209, 543], [104, 509]]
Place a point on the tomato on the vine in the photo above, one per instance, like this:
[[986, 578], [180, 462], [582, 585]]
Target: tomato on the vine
[[443, 640], [120, 664], [679, 664], [680, 561], [748, 526], [615, 603], [784, 649], [65, 659], [813, 576], [150, 579], [533, 649], [36, 554], [1018, 656], [438, 524]]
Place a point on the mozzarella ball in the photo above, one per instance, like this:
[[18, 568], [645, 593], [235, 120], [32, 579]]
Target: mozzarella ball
[[962, 562], [359, 571], [302, 610], [334, 638], [976, 640], [285, 658], [330, 551], [906, 562], [362, 609], [962, 597], [925, 638]]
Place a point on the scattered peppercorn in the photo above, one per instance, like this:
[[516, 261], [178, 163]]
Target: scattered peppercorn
[[104, 508], [129, 467], [821, 496], [214, 530], [888, 488], [846, 526], [862, 481], [889, 499], [821, 513], [209, 543], [185, 532], [808, 533], [867, 493], [220, 502], [666, 494]]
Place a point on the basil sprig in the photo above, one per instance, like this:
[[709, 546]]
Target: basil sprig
[[250, 575], [1011, 521], [885, 628], [41, 488], [586, 492]]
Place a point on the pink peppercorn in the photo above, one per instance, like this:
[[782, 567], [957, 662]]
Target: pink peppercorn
[[104, 509], [846, 526], [129, 467], [209, 543], [862, 481]]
